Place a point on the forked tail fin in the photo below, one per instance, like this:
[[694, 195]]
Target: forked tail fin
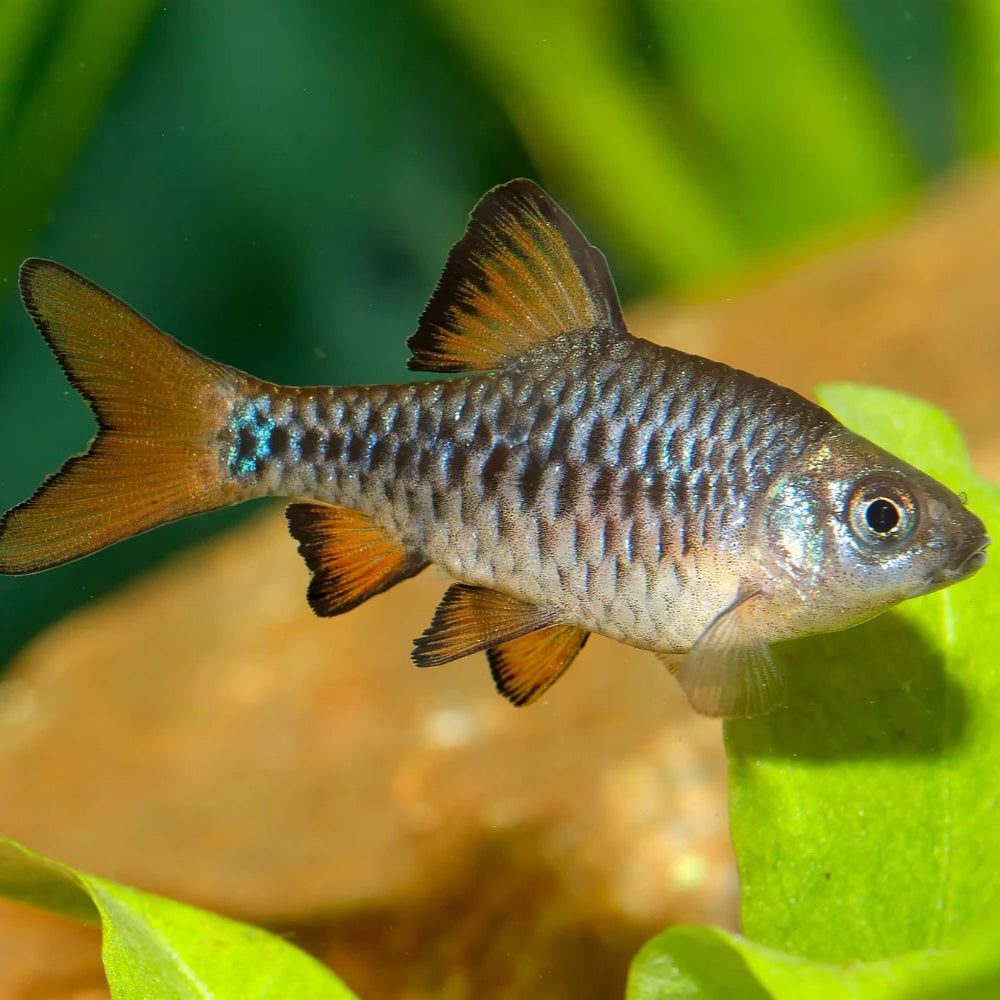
[[159, 406]]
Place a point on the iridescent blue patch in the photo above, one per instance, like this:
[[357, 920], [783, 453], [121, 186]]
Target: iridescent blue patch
[[250, 427]]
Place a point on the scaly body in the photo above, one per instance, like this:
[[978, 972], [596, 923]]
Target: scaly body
[[611, 478], [574, 479]]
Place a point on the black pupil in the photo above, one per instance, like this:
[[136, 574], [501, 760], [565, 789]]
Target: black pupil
[[882, 516]]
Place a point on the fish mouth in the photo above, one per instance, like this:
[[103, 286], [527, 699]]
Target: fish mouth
[[968, 563]]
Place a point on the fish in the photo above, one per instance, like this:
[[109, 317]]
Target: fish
[[569, 477]]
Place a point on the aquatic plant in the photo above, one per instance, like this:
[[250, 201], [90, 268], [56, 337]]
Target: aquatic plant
[[58, 65], [155, 947]]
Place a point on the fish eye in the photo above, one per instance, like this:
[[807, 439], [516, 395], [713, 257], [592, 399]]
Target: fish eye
[[881, 513]]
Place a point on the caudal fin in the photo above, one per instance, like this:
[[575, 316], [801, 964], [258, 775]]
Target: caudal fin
[[159, 407]]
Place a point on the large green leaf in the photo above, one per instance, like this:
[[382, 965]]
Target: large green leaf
[[154, 947], [864, 813]]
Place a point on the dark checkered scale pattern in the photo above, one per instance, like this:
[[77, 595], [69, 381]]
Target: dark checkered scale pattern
[[600, 474]]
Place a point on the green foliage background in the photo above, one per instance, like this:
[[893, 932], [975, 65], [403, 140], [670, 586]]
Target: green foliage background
[[278, 185]]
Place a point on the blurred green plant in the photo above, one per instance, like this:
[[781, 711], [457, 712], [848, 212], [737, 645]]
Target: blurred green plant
[[976, 51], [861, 814], [59, 62], [596, 126], [735, 128]]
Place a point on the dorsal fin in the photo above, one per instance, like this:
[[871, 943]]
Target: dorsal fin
[[522, 274], [525, 668], [351, 558], [470, 619]]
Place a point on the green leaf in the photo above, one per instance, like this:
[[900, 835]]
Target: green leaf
[[706, 963], [863, 814], [692, 962], [154, 947]]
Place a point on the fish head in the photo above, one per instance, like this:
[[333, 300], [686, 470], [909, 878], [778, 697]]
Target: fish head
[[850, 530]]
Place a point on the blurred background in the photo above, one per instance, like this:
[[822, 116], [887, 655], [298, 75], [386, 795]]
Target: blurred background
[[800, 187]]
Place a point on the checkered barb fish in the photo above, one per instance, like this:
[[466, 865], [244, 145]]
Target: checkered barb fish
[[572, 478]]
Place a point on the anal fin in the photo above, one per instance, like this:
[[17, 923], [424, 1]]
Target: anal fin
[[525, 668], [729, 672], [351, 559], [471, 619]]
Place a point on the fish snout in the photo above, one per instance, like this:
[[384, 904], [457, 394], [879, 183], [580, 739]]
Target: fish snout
[[974, 560], [970, 559]]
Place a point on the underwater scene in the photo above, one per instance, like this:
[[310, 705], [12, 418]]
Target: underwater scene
[[454, 350]]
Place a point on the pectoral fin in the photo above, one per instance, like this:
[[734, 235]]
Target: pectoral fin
[[525, 668], [470, 619], [729, 672]]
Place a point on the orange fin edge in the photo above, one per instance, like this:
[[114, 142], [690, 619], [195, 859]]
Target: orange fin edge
[[351, 559], [525, 668], [158, 405], [522, 274]]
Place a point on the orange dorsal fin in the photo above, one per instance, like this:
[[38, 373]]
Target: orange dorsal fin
[[525, 668], [351, 558], [470, 619], [522, 274], [159, 408]]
